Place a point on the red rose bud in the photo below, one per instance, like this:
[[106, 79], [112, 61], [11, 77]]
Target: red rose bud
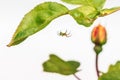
[[99, 35]]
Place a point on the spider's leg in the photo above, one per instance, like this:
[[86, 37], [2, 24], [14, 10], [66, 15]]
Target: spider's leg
[[68, 35], [66, 31]]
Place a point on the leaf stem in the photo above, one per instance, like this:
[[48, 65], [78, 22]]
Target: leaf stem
[[76, 77], [96, 63]]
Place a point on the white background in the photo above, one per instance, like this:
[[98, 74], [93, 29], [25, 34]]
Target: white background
[[24, 61]]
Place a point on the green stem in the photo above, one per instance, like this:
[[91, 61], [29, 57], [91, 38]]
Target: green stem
[[76, 77], [97, 69]]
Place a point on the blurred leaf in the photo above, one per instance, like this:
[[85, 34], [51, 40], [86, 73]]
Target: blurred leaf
[[57, 65], [84, 15], [113, 73], [105, 12], [37, 19], [98, 4]]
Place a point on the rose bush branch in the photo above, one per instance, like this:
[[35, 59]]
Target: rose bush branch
[[85, 14], [40, 16], [99, 38]]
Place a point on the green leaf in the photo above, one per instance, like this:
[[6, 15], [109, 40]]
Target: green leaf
[[81, 2], [57, 65], [74, 64], [105, 12], [84, 15], [98, 4], [37, 19], [113, 73]]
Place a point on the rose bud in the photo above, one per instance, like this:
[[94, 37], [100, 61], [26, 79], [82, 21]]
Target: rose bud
[[98, 37]]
